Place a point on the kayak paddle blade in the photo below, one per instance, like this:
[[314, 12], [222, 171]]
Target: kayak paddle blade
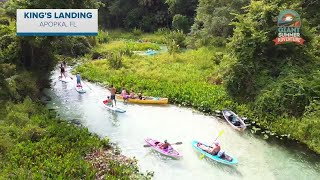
[[146, 145], [201, 156]]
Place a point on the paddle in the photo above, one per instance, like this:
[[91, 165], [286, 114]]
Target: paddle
[[220, 133], [177, 143]]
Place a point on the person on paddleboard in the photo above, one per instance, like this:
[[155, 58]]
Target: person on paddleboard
[[113, 94], [78, 80], [62, 71]]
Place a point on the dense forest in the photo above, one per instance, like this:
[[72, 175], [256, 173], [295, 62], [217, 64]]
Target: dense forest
[[277, 86]]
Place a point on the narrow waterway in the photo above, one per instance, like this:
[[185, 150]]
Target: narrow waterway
[[258, 159]]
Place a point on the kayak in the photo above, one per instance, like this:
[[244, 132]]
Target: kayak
[[240, 127], [216, 158], [80, 90], [116, 109], [170, 152], [148, 100]]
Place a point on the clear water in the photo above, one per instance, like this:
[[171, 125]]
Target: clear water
[[257, 158]]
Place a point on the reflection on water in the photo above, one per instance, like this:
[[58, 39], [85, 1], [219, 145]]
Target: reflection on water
[[258, 159]]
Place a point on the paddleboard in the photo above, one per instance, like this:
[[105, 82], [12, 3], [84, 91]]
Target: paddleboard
[[216, 158], [116, 109], [168, 152], [80, 90]]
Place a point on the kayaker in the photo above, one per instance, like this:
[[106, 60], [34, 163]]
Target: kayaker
[[132, 94], [234, 120], [124, 94], [113, 94], [78, 80], [165, 145], [209, 149], [108, 101], [140, 96]]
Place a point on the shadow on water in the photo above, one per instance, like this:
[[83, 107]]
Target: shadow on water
[[224, 168], [114, 118]]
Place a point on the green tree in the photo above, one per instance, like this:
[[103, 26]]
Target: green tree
[[272, 76], [180, 22], [214, 16]]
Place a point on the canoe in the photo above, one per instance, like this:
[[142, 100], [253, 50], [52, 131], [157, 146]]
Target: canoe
[[170, 152], [226, 113], [215, 158], [148, 100], [80, 90], [116, 109]]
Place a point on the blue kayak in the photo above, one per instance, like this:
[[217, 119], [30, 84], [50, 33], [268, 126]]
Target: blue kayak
[[216, 158]]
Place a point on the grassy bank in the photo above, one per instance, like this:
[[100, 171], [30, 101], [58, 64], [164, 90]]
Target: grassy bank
[[36, 145], [192, 78]]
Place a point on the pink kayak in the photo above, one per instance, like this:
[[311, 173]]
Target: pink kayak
[[168, 152]]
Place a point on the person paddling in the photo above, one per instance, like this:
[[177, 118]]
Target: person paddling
[[164, 145], [124, 95], [213, 150], [62, 71]]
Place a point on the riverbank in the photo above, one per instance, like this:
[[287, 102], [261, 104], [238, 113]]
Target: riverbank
[[192, 78], [35, 144]]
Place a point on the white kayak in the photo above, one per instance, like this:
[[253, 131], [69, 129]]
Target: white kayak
[[80, 90], [116, 109]]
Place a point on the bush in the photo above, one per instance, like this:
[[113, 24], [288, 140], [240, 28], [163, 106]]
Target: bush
[[4, 21], [180, 22], [137, 32], [175, 40], [115, 61]]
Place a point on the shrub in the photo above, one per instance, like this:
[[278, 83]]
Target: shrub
[[137, 32], [180, 22], [115, 61], [4, 21]]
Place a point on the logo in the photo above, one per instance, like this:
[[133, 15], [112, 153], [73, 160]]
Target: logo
[[289, 24]]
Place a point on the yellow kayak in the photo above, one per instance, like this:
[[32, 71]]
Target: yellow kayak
[[148, 100]]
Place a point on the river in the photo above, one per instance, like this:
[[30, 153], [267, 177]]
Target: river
[[258, 158]]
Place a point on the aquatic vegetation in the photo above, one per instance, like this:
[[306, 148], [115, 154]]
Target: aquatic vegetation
[[34, 144]]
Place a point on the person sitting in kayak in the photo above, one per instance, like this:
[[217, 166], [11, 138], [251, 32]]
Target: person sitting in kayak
[[209, 149], [132, 94], [164, 145], [78, 80], [124, 95], [140, 96], [108, 102], [234, 120]]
